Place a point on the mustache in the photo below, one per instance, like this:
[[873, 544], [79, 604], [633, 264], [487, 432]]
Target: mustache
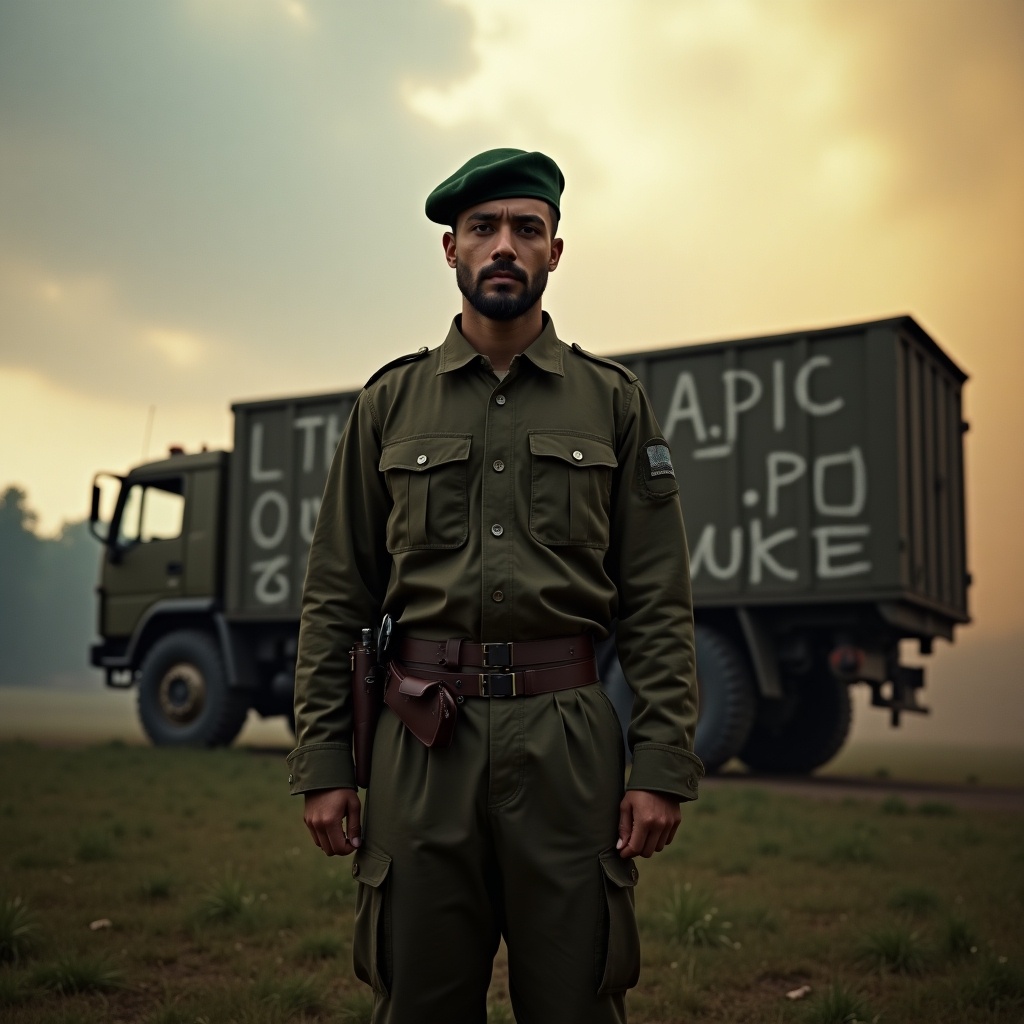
[[503, 267]]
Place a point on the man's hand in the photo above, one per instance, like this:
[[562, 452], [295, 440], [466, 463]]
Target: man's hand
[[647, 822], [332, 817]]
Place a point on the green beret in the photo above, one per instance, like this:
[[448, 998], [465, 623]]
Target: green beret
[[496, 174]]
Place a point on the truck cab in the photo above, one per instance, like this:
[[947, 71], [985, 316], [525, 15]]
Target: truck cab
[[160, 597], [162, 542]]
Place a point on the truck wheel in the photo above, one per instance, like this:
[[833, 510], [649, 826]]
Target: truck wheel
[[727, 700], [184, 697], [809, 736]]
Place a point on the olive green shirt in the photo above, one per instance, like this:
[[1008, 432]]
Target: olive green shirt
[[540, 505]]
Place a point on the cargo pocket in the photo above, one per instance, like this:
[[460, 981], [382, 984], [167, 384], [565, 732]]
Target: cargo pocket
[[570, 491], [619, 952], [371, 940], [427, 478]]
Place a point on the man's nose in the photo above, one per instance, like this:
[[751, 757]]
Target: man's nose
[[504, 245]]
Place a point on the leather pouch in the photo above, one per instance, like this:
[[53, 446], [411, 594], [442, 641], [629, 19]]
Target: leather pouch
[[425, 707]]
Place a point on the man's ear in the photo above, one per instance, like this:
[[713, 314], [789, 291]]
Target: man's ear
[[448, 242], [556, 253]]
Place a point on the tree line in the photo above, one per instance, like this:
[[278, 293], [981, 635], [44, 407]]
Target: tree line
[[47, 596]]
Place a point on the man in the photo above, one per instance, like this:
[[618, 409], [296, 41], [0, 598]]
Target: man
[[505, 499]]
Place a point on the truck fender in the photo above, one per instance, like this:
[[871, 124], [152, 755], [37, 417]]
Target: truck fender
[[149, 628], [761, 650], [181, 613], [235, 653]]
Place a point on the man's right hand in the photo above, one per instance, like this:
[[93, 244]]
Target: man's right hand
[[332, 817]]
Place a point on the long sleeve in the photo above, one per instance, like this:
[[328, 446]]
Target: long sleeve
[[649, 563], [346, 579]]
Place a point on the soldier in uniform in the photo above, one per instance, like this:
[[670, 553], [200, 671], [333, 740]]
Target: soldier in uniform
[[507, 499]]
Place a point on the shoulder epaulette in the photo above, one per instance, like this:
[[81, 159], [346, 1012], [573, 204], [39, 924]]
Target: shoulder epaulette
[[624, 370], [400, 361]]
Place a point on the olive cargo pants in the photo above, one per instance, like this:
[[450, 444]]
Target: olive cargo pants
[[510, 831]]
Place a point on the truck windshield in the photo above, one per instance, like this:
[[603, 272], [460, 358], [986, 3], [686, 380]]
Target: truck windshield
[[154, 510]]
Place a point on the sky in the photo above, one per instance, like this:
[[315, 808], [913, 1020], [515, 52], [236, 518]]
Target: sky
[[211, 200]]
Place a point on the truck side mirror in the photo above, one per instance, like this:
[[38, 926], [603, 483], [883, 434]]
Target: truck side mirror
[[97, 527], [94, 516]]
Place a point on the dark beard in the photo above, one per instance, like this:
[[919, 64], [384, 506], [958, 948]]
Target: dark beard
[[503, 305]]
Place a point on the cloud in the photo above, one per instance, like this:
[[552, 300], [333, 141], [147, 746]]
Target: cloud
[[297, 11], [178, 348], [220, 173], [76, 328], [918, 99], [740, 166], [942, 83]]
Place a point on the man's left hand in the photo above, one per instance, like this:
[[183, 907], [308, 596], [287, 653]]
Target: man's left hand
[[647, 822]]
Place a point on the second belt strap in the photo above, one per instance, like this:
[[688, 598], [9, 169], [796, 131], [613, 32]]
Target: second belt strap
[[520, 683]]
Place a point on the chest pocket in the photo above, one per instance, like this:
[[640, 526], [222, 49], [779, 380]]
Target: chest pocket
[[427, 477], [571, 488]]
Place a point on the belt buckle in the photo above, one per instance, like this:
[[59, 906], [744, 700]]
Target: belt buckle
[[497, 655], [498, 684]]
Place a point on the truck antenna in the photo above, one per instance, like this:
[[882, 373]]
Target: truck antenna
[[149, 432]]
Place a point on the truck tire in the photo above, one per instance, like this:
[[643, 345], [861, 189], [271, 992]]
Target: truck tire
[[184, 697], [727, 700], [807, 737]]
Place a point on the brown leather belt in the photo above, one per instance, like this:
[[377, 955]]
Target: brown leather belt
[[522, 683], [453, 654], [515, 669]]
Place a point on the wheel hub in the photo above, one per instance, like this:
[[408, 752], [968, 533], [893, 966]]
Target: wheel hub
[[182, 693]]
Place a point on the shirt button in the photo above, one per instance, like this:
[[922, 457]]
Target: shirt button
[[421, 460], [355, 870], [498, 596], [497, 529], [291, 778], [577, 455], [500, 399], [498, 465]]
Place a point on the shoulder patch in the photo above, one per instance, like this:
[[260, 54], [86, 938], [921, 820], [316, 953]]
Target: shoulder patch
[[627, 373], [400, 361], [656, 470], [659, 459]]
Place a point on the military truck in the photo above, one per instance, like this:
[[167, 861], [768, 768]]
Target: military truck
[[821, 475]]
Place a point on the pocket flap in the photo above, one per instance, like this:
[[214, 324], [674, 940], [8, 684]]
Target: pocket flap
[[574, 449], [619, 871], [425, 451], [371, 868], [411, 686]]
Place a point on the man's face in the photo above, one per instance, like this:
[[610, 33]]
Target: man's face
[[502, 252]]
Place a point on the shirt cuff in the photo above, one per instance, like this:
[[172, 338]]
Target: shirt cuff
[[320, 766], [660, 768]]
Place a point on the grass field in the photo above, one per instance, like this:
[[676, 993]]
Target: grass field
[[180, 887]]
